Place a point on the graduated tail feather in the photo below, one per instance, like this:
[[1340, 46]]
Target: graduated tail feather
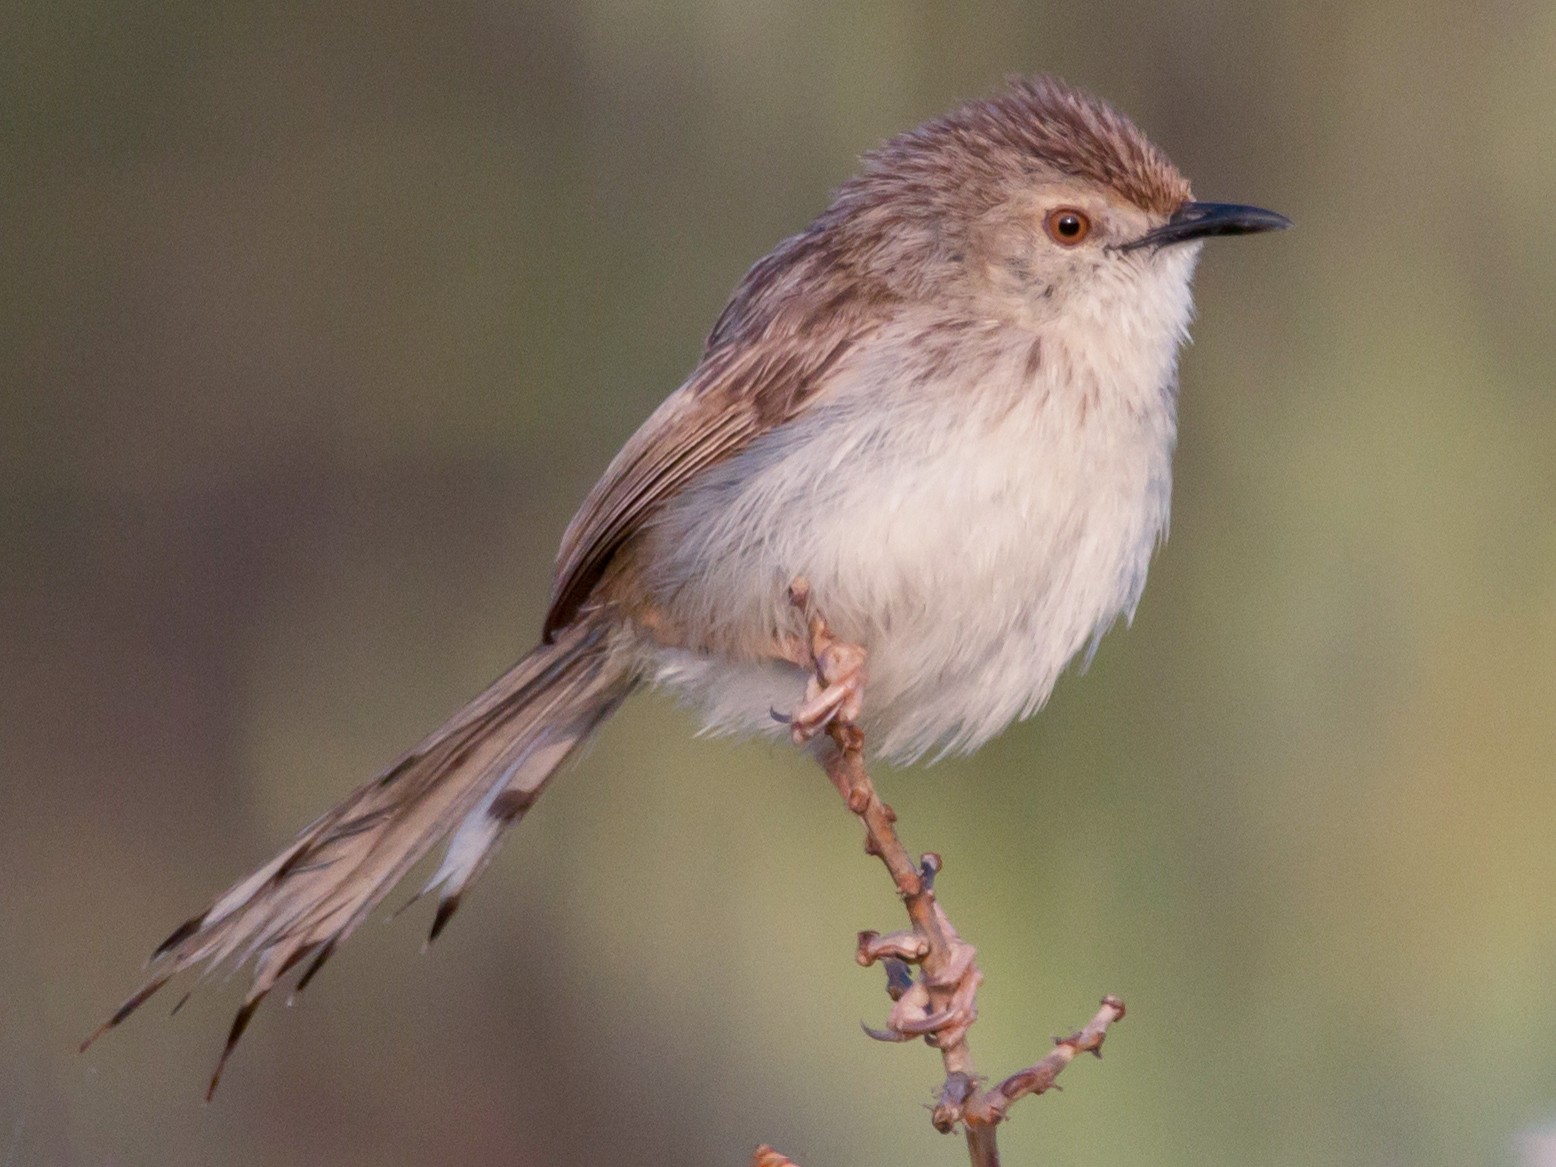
[[467, 782]]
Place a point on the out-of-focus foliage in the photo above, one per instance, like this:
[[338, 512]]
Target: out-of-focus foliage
[[318, 320]]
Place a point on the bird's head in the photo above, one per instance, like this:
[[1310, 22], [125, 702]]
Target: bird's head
[[1038, 202]]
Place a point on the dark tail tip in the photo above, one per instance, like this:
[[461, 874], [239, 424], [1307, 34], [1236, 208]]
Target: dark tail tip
[[313, 969], [239, 1024], [93, 1036], [183, 932], [124, 1010], [446, 909]]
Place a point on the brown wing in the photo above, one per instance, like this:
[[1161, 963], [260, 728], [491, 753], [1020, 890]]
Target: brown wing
[[743, 388]]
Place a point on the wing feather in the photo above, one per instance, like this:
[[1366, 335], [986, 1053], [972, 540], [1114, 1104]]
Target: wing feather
[[744, 387]]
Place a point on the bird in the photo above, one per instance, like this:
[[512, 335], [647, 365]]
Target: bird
[[942, 415]]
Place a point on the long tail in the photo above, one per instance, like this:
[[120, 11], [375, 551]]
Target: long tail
[[467, 782]]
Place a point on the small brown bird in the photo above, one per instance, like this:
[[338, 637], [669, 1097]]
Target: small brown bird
[[949, 404]]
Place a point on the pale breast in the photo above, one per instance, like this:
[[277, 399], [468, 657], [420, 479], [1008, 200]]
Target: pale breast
[[973, 523]]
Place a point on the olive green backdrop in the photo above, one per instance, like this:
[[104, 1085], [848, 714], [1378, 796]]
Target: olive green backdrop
[[317, 321]]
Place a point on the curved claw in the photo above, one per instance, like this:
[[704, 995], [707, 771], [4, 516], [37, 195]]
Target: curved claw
[[887, 1034]]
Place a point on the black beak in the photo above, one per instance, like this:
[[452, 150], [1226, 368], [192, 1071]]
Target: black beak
[[1201, 220]]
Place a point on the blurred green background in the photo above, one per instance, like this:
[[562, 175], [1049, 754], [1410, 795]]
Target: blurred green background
[[319, 320]]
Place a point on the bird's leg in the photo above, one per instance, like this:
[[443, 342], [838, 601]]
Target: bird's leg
[[940, 1004], [835, 691]]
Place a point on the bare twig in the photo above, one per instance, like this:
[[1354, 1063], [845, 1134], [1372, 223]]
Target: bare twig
[[941, 1004], [989, 1106]]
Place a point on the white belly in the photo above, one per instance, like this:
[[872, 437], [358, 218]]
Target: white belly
[[973, 540]]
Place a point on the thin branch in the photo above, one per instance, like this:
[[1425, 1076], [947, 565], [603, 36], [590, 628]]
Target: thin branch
[[988, 1107], [941, 1004]]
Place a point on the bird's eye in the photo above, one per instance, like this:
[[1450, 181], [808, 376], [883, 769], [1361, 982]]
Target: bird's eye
[[1066, 226]]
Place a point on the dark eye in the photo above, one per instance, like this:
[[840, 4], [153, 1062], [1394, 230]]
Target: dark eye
[[1066, 226]]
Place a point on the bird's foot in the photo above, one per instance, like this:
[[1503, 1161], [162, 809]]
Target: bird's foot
[[834, 694], [938, 1006]]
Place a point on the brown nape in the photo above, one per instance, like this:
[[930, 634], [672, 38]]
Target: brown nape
[[1038, 123]]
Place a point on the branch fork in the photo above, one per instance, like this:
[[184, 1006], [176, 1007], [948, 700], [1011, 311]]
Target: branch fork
[[940, 1003]]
